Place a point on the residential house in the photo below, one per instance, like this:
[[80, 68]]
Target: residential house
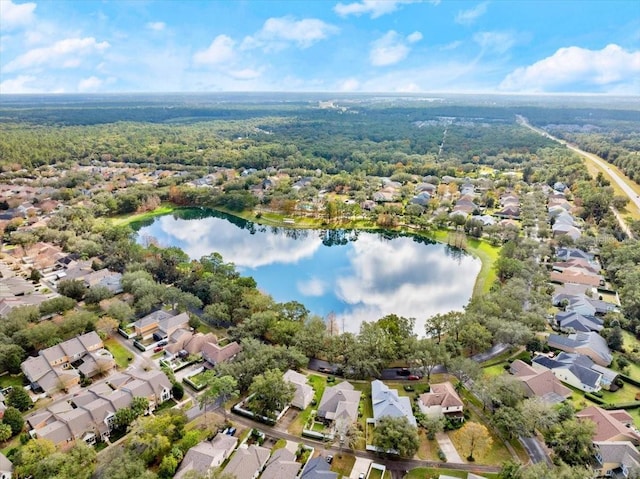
[[571, 369], [589, 344], [247, 462], [303, 394], [108, 279], [386, 402], [571, 321], [207, 454], [576, 276], [281, 465], [183, 340], [617, 459], [581, 303], [89, 415], [160, 324], [213, 353], [611, 425], [318, 468], [339, 402], [421, 199], [60, 366], [441, 401], [541, 384], [565, 254], [508, 212], [6, 467]]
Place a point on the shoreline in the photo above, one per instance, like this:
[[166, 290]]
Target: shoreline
[[479, 248]]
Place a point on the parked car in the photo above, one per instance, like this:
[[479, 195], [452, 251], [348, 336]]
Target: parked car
[[413, 377], [163, 343], [325, 370], [157, 349], [330, 458], [404, 372], [361, 476]]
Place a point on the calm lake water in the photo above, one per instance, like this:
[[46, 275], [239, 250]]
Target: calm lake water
[[359, 276]]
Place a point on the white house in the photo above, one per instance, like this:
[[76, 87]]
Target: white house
[[303, 394]]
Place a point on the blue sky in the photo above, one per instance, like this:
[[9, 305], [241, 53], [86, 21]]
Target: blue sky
[[322, 45]]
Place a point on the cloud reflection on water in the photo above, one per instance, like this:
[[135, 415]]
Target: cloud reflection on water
[[359, 280]]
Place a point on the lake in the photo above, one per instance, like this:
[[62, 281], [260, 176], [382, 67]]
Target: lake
[[359, 276]]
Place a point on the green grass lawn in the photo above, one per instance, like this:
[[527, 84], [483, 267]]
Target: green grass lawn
[[343, 463], [15, 380], [485, 252], [496, 454], [318, 383], [123, 220], [428, 450], [374, 474], [495, 370], [120, 353]]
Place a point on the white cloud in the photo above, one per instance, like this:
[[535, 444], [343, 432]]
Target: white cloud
[[277, 33], [350, 84], [63, 53], [312, 287], [375, 286], [17, 85], [221, 50], [156, 26], [451, 46], [611, 68], [414, 37], [235, 245], [245, 74], [495, 42], [391, 48], [15, 15], [374, 8], [90, 84], [467, 17]]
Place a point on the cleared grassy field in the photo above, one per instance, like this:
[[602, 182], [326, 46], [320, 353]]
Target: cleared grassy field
[[123, 220], [120, 353], [434, 473]]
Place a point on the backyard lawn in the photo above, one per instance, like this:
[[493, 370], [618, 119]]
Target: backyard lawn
[[120, 353], [428, 450], [15, 380], [343, 463], [318, 383]]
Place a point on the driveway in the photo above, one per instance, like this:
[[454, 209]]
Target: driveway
[[448, 448], [361, 466]]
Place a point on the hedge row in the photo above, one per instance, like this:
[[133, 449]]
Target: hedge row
[[629, 380], [594, 398]]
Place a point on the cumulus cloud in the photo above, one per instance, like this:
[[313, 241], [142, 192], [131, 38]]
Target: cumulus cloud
[[235, 245], [278, 33], [612, 68], [156, 26], [18, 84], [373, 8], [419, 279], [221, 50], [63, 53], [312, 287], [467, 17], [391, 48], [90, 84], [15, 15]]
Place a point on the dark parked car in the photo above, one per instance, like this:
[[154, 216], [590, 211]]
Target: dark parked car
[[413, 377]]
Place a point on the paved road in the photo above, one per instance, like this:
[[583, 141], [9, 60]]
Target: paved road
[[535, 450], [391, 464], [392, 373], [633, 196]]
